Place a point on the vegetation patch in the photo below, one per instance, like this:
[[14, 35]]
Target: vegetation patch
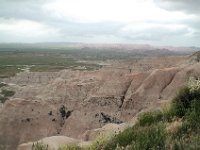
[[64, 113], [8, 71], [2, 84], [13, 62], [150, 118], [105, 118], [7, 93], [3, 99]]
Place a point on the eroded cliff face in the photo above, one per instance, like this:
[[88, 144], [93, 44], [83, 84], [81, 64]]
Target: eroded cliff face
[[74, 103]]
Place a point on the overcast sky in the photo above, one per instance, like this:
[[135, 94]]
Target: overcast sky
[[156, 22]]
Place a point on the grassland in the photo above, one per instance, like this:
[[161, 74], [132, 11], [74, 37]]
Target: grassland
[[12, 62]]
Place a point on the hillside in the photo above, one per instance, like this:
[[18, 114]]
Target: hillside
[[85, 104], [174, 126]]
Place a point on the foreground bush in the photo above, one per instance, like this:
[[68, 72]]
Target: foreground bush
[[149, 118], [138, 138], [185, 98], [3, 99]]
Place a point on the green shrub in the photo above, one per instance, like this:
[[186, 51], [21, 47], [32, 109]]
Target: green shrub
[[168, 112], [177, 145], [3, 99], [122, 139], [152, 137], [193, 84], [182, 102], [189, 143], [39, 146], [191, 124], [99, 143], [139, 138], [193, 114], [193, 143], [182, 131], [2, 84], [148, 118], [7, 93]]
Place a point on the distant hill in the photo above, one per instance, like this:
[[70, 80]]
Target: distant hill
[[120, 50]]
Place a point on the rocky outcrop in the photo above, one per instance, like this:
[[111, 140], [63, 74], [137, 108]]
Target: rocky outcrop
[[150, 89], [180, 79]]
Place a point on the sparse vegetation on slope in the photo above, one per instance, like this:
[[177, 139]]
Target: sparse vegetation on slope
[[175, 128], [2, 84], [5, 94]]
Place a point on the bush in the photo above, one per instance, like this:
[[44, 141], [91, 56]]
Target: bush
[[137, 138], [148, 118], [122, 139], [177, 145], [7, 93], [193, 114], [3, 99], [191, 124], [2, 84], [99, 143], [191, 143], [152, 137], [182, 131], [193, 84], [182, 102]]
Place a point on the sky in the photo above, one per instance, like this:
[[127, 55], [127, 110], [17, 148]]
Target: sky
[[155, 22]]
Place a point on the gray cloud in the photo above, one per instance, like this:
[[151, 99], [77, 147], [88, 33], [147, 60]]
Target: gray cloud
[[87, 29], [32, 10], [23, 9], [155, 34], [189, 6]]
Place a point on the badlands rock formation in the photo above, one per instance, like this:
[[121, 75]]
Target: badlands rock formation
[[78, 104]]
